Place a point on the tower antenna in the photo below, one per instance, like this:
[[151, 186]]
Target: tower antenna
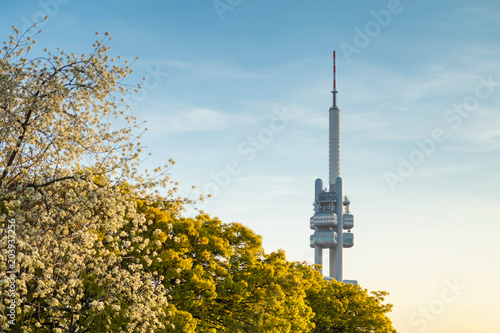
[[334, 91]]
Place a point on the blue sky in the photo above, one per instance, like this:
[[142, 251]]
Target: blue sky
[[241, 97]]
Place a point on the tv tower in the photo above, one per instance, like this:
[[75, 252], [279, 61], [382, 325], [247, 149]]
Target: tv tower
[[331, 208]]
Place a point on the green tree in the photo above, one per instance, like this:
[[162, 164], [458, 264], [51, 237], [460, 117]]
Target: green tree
[[221, 280], [220, 275], [346, 308]]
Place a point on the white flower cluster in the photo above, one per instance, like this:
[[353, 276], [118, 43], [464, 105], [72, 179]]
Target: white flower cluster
[[70, 182]]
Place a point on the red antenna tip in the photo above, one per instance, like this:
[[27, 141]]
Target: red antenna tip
[[334, 73]]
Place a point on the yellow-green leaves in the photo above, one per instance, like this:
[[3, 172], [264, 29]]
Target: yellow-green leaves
[[221, 278], [347, 308]]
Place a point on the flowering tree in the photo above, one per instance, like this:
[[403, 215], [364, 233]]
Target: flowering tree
[[68, 181]]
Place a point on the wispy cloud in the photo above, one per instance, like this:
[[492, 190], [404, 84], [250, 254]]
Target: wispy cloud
[[210, 68], [194, 119], [433, 172], [484, 140], [480, 11]]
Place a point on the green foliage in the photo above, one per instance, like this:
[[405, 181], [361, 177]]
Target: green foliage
[[220, 275], [348, 308]]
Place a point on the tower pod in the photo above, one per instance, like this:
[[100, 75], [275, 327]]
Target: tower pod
[[324, 239], [348, 221], [348, 239]]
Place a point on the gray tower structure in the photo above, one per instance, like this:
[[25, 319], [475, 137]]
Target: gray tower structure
[[331, 208]]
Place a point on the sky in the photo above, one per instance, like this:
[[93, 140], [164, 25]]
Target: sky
[[237, 92]]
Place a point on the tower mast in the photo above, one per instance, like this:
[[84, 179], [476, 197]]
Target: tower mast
[[334, 91], [334, 129]]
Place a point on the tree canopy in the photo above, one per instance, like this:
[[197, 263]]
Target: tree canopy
[[91, 244]]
